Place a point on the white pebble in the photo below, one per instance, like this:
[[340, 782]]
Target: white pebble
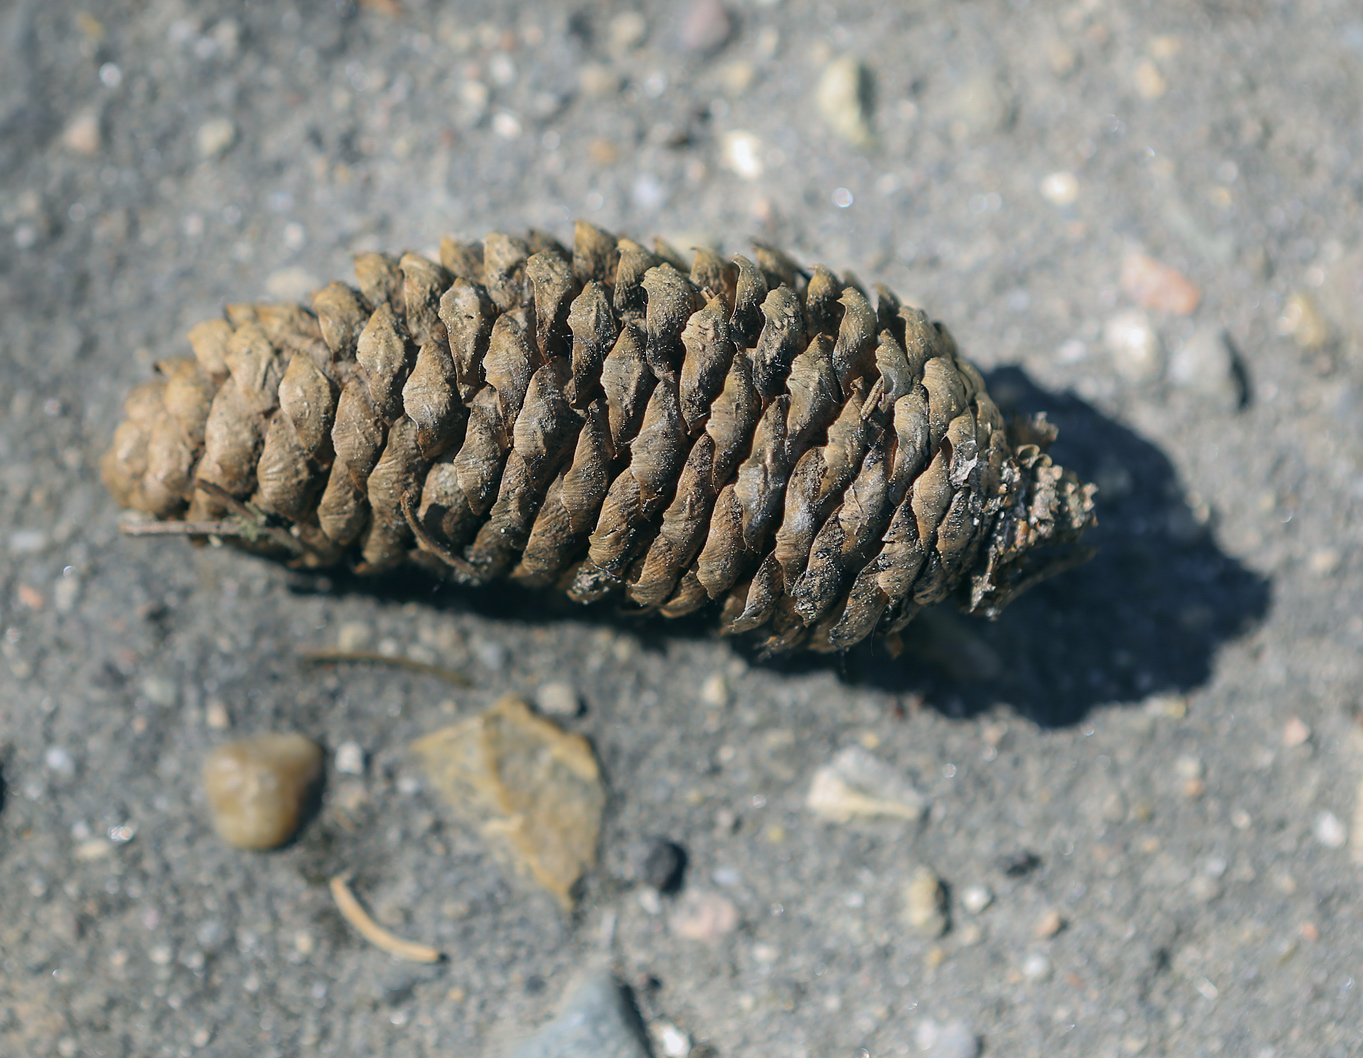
[[1134, 346], [955, 1039], [1060, 189], [1036, 967], [975, 898], [672, 1041], [350, 758], [507, 126], [59, 761], [27, 541], [558, 698], [1330, 831], [741, 152], [215, 138]]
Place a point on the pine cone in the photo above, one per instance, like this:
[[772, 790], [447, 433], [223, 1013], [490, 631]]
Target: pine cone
[[605, 423]]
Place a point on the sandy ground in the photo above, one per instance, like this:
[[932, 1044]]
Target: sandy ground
[[1150, 762]]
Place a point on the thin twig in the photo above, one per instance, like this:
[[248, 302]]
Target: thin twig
[[180, 528], [329, 655], [371, 931]]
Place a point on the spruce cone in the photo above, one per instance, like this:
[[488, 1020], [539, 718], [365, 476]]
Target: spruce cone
[[603, 422]]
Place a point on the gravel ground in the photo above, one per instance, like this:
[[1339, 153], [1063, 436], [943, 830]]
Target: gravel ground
[[1150, 763]]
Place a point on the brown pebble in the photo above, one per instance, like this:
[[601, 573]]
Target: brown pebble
[[1153, 285], [1048, 925], [258, 788]]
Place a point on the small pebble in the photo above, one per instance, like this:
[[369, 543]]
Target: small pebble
[[1135, 347], [558, 699], [1205, 364], [714, 692], [215, 138], [1060, 189], [1156, 286], [1048, 925], [982, 106], [1149, 81], [350, 758], [597, 1021], [925, 903], [954, 1039], [741, 152], [1295, 732], [1036, 967], [258, 788], [597, 80], [706, 26], [1303, 322], [626, 31], [1019, 864], [1205, 889], [1329, 830], [705, 917], [671, 1040], [663, 866], [975, 898], [857, 784], [82, 135], [216, 716], [843, 96]]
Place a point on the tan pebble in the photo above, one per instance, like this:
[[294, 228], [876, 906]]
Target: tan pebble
[[1165, 47], [1295, 732], [626, 31], [602, 151], [1063, 59], [1303, 322], [258, 788], [1048, 925], [216, 716], [936, 955], [82, 136], [706, 917], [1194, 788], [535, 790], [215, 138], [1149, 81], [714, 692], [925, 903], [1153, 285], [597, 80], [558, 698], [842, 97], [737, 77], [1324, 562]]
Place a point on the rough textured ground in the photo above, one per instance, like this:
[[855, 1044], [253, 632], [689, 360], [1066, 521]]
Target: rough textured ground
[[1160, 748]]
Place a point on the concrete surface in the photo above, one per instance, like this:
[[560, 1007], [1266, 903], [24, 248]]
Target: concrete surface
[[1150, 762]]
